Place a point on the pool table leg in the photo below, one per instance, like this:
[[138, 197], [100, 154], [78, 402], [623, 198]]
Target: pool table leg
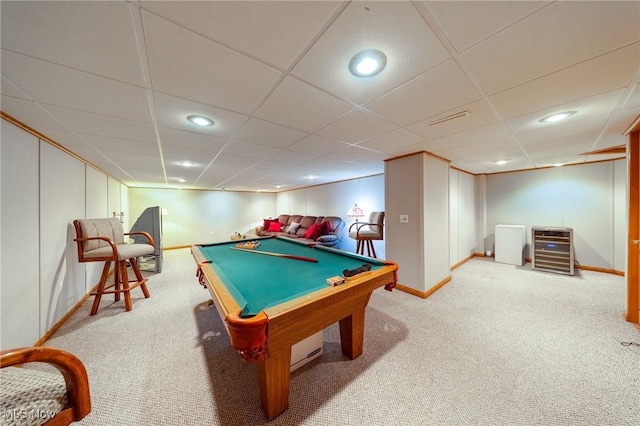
[[274, 377], [352, 333]]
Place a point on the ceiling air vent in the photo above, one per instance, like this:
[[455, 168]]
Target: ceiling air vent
[[449, 118]]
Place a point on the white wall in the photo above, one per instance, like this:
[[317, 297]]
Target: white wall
[[20, 229], [196, 216], [418, 186], [43, 190], [463, 216], [589, 198], [62, 199]]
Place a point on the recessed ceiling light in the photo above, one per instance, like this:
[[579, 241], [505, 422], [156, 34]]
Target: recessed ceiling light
[[312, 177], [367, 63], [200, 120], [557, 117], [187, 163], [501, 162]]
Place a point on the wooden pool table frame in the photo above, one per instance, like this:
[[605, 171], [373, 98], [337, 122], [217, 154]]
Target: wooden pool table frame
[[266, 339]]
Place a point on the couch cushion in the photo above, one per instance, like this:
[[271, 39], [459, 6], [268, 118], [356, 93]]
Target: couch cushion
[[283, 219], [307, 221], [294, 218]]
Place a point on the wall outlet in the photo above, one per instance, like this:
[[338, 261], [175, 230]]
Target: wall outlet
[[404, 218]]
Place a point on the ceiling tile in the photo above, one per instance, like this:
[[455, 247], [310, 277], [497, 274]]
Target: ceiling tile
[[459, 19], [119, 145], [603, 74], [394, 28], [53, 84], [316, 145], [36, 116], [442, 88], [269, 134], [481, 115], [351, 153], [300, 106], [103, 125], [293, 157], [173, 112], [190, 140], [549, 146], [591, 107], [355, 127], [556, 37], [391, 141], [492, 150], [490, 132], [594, 124], [215, 76], [252, 150], [58, 30], [275, 32]]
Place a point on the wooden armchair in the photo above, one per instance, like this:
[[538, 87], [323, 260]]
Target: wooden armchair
[[366, 232], [41, 397], [102, 240]]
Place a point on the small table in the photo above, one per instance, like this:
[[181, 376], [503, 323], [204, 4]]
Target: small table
[[268, 303]]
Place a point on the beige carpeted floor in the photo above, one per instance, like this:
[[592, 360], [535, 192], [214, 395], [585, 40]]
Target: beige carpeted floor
[[498, 345]]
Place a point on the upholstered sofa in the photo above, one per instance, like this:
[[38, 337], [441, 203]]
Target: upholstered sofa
[[327, 230]]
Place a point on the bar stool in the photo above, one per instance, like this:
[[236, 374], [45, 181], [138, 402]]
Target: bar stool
[[366, 232]]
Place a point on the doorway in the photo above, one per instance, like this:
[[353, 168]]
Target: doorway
[[633, 244]]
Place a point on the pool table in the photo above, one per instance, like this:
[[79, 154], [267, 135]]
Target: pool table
[[269, 302]]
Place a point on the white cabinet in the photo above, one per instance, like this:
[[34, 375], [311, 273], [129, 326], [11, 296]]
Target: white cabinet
[[509, 246]]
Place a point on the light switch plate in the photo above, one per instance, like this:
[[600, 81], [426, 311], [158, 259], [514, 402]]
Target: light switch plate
[[404, 218]]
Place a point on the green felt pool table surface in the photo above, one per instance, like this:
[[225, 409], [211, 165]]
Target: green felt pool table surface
[[258, 281]]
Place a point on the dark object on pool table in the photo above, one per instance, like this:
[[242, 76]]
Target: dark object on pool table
[[353, 272]]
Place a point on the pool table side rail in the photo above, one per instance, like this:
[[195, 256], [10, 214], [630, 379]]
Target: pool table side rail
[[248, 335], [295, 320]]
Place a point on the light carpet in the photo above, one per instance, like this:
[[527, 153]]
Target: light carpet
[[498, 345]]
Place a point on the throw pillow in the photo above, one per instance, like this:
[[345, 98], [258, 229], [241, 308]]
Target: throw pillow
[[327, 238], [266, 223], [293, 227], [317, 231], [274, 226], [326, 228], [310, 231]]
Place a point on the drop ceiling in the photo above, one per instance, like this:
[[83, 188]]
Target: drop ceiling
[[113, 82]]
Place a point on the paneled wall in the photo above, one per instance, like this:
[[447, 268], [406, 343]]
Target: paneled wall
[[589, 198], [20, 229], [463, 216], [195, 216], [418, 214], [43, 190]]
